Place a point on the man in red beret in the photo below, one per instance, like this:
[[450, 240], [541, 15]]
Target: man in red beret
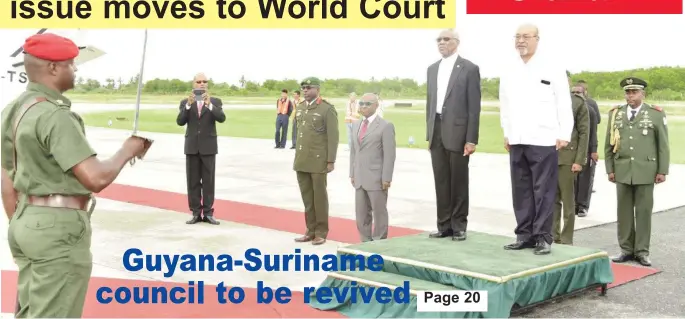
[[49, 172]]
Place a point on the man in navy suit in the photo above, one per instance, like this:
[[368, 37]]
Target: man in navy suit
[[201, 116]]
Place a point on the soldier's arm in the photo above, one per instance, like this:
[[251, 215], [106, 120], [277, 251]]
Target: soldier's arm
[[592, 143], [473, 97], [583, 127], [218, 110], [608, 149], [182, 117], [663, 148], [9, 194], [595, 107], [389, 152], [332, 133], [63, 136]]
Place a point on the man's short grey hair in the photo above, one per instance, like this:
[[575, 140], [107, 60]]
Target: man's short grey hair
[[454, 33]]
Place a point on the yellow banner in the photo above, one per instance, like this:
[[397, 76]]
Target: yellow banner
[[228, 14]]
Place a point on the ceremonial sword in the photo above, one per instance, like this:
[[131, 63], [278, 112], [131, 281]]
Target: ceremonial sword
[[148, 142]]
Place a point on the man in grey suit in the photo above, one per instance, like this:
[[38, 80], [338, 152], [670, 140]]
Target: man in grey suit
[[372, 162], [452, 121]]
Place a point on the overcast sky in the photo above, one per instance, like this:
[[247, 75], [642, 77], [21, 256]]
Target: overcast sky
[[589, 42]]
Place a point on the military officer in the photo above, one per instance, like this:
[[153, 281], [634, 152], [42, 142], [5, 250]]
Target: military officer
[[49, 173], [637, 156], [572, 158], [315, 153]]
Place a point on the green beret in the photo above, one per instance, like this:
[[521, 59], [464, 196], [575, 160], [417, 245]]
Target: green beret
[[311, 81], [633, 83]]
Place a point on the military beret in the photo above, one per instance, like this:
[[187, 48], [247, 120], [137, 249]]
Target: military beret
[[311, 81], [633, 83], [51, 47]]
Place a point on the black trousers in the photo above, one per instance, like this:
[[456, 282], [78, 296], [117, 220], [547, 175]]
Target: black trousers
[[200, 173], [584, 184], [451, 175], [534, 179], [281, 129]]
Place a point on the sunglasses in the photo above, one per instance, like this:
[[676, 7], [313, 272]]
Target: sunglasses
[[577, 92], [201, 82], [365, 104], [446, 39]]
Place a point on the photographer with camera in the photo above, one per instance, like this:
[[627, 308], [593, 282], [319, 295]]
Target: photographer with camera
[[200, 113]]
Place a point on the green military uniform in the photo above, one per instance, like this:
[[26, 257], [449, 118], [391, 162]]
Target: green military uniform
[[51, 246], [636, 150], [317, 146], [574, 153]]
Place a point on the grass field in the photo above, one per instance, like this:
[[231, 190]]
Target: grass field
[[672, 108], [260, 123]]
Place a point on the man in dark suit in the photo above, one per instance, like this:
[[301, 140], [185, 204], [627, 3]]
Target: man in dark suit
[[452, 120], [200, 116]]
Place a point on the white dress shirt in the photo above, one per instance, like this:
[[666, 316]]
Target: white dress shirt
[[444, 73], [630, 110], [535, 103]]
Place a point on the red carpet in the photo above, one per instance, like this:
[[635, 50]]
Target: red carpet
[[342, 230], [625, 273], [211, 308]]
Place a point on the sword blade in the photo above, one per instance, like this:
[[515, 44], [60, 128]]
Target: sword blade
[[140, 86]]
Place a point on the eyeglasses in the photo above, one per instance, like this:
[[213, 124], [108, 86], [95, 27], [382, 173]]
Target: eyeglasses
[[201, 82], [365, 104], [525, 37], [577, 92], [446, 39]]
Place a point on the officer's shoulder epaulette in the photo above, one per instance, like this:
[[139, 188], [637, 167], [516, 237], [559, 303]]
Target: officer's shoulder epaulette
[[615, 107], [657, 108]]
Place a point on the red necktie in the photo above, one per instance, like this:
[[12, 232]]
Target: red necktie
[[362, 132]]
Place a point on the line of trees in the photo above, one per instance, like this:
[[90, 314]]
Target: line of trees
[[665, 84]]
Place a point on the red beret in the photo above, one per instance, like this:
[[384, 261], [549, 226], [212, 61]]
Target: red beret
[[51, 47]]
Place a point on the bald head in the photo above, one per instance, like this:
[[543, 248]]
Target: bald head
[[528, 29], [448, 42]]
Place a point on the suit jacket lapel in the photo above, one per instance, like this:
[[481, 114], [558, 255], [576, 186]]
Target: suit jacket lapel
[[434, 89], [453, 78]]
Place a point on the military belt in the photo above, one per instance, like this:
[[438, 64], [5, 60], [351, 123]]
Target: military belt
[[60, 201]]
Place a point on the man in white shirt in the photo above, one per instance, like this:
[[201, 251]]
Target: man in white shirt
[[537, 120]]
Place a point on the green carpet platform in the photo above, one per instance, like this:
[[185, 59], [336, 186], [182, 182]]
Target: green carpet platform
[[514, 279]]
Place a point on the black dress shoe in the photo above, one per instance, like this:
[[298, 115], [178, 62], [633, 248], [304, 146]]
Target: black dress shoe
[[292, 147], [643, 260], [194, 220], [519, 244], [582, 213], [623, 257], [459, 236], [211, 220], [440, 234], [542, 248]]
